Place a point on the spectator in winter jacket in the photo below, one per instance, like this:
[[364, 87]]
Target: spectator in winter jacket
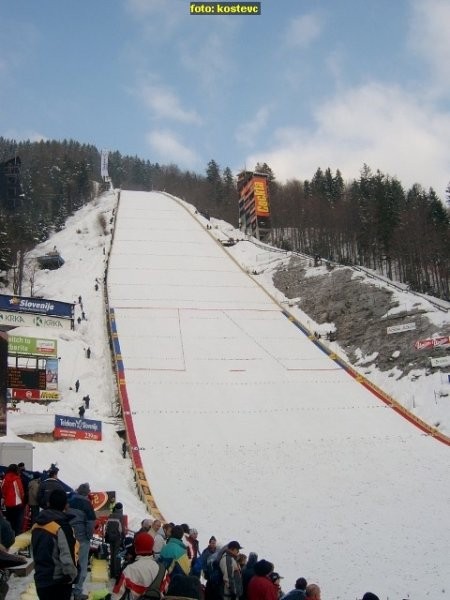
[[114, 536], [193, 543], [139, 575], [33, 502], [174, 554], [7, 535], [210, 549], [300, 590], [260, 587], [7, 560], [14, 498], [231, 588], [161, 539], [54, 550], [50, 483], [25, 477], [83, 523], [249, 570], [154, 528]]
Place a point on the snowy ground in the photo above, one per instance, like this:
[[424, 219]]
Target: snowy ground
[[247, 431]]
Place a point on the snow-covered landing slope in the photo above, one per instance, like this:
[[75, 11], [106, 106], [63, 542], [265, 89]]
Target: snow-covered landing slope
[[247, 431]]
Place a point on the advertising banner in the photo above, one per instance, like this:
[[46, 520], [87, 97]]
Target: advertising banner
[[10, 319], [261, 196], [443, 340], [30, 395], [400, 328], [31, 346], [77, 429], [51, 373], [104, 163], [38, 306], [441, 361]]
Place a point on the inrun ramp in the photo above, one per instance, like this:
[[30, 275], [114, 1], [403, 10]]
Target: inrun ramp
[[248, 431]]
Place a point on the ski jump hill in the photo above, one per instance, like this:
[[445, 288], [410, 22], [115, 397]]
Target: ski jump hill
[[244, 428]]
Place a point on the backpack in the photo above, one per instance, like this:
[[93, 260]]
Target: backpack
[[153, 590]]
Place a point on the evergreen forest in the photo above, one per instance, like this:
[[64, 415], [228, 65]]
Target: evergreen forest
[[372, 221]]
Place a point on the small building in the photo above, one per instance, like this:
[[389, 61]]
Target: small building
[[254, 207], [52, 260]]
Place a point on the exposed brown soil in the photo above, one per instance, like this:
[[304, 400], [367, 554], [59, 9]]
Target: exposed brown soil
[[358, 310]]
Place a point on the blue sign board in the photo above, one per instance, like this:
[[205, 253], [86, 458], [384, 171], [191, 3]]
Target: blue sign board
[[36, 306], [77, 428]]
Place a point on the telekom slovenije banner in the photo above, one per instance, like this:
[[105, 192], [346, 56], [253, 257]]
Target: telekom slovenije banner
[[77, 429]]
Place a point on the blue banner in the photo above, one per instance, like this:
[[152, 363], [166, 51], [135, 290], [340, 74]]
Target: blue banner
[[37, 306], [77, 428]]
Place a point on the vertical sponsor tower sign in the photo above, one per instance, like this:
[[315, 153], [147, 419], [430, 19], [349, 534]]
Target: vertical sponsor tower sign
[[254, 206], [104, 157]]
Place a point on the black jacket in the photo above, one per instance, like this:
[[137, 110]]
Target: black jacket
[[54, 549]]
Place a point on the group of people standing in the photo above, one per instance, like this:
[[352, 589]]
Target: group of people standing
[[62, 525], [168, 557], [159, 561]]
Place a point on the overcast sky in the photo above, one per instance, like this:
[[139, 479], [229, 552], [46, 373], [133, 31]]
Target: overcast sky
[[305, 84]]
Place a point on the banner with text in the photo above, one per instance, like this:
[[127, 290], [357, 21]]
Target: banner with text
[[29, 346], [39, 306], [9, 319], [32, 395], [77, 429], [443, 340]]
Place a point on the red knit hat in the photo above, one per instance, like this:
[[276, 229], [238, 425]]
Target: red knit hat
[[143, 543]]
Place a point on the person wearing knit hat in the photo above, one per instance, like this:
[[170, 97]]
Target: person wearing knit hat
[[370, 596], [140, 574], [84, 489], [143, 544], [83, 523]]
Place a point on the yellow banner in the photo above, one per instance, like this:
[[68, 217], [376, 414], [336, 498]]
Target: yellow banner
[[261, 197]]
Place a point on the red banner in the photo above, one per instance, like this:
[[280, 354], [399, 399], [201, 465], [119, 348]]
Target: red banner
[[76, 434], [32, 395], [432, 342]]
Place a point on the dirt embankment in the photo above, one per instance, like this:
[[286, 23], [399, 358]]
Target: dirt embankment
[[358, 311]]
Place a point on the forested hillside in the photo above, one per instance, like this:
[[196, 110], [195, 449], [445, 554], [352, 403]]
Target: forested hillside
[[372, 221]]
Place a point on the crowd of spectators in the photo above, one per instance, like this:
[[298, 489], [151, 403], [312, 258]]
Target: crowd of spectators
[[160, 560]]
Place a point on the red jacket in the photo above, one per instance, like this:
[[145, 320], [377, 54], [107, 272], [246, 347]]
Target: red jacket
[[12, 490], [261, 588]]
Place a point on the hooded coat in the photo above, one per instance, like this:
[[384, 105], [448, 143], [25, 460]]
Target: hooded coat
[[54, 549]]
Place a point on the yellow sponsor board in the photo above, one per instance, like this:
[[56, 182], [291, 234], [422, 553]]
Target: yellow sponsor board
[[261, 199], [48, 395]]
